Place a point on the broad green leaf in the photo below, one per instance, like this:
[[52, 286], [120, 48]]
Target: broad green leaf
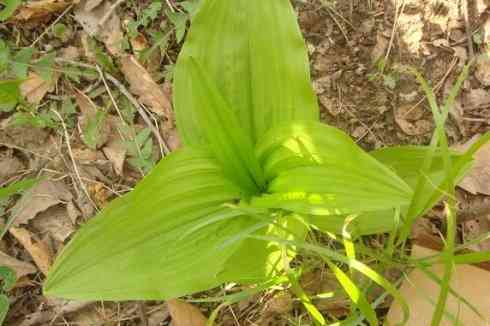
[[9, 94], [254, 262], [9, 8], [223, 132], [316, 169], [20, 65], [44, 67], [4, 56], [254, 52], [137, 249], [365, 223], [179, 20], [17, 187], [8, 278], [4, 307]]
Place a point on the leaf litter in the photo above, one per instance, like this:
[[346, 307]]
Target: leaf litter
[[334, 53]]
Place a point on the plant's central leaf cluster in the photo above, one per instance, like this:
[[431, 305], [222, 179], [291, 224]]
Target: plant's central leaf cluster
[[256, 164]]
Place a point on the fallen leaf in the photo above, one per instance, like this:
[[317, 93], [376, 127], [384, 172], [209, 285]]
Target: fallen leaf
[[149, 92], [21, 268], [90, 15], [409, 121], [35, 88], [44, 195], [419, 290], [55, 222], [9, 166], [38, 250], [185, 314], [477, 180], [34, 10], [475, 228], [95, 132], [482, 69], [477, 98], [115, 151]]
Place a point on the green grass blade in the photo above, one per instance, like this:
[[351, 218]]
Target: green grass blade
[[354, 293], [355, 264], [448, 255]]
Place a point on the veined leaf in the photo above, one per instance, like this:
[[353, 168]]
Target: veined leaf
[[135, 248], [223, 132], [316, 169], [254, 51]]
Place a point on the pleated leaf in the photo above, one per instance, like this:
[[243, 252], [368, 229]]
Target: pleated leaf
[[317, 169], [222, 131], [254, 51], [138, 247]]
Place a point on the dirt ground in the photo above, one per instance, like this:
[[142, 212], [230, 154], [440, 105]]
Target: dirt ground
[[358, 51]]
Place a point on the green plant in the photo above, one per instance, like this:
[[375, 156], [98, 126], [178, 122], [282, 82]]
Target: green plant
[[257, 173], [7, 275]]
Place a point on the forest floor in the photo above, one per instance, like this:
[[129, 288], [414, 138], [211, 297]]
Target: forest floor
[[62, 125]]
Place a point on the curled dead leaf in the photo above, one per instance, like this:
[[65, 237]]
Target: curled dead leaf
[[185, 314], [35, 10], [421, 292], [92, 16], [477, 181], [92, 118], [143, 85], [35, 88], [21, 268], [44, 195], [38, 250]]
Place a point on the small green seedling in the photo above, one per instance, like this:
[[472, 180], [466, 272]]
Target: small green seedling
[[257, 172]]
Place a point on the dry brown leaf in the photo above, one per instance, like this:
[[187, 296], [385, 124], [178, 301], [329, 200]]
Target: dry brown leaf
[[142, 84], [482, 72], [91, 17], [35, 88], [9, 166], [44, 195], [185, 314], [88, 111], [21, 268], [55, 222], [34, 10], [478, 178], [38, 250], [409, 121], [420, 289], [115, 151], [477, 98]]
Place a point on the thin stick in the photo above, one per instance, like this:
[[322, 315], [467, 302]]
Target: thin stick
[[108, 14], [398, 12], [130, 97], [437, 87], [141, 111], [52, 24], [330, 13], [75, 167]]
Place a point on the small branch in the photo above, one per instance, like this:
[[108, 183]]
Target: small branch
[[109, 13], [52, 24], [164, 148], [75, 167]]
